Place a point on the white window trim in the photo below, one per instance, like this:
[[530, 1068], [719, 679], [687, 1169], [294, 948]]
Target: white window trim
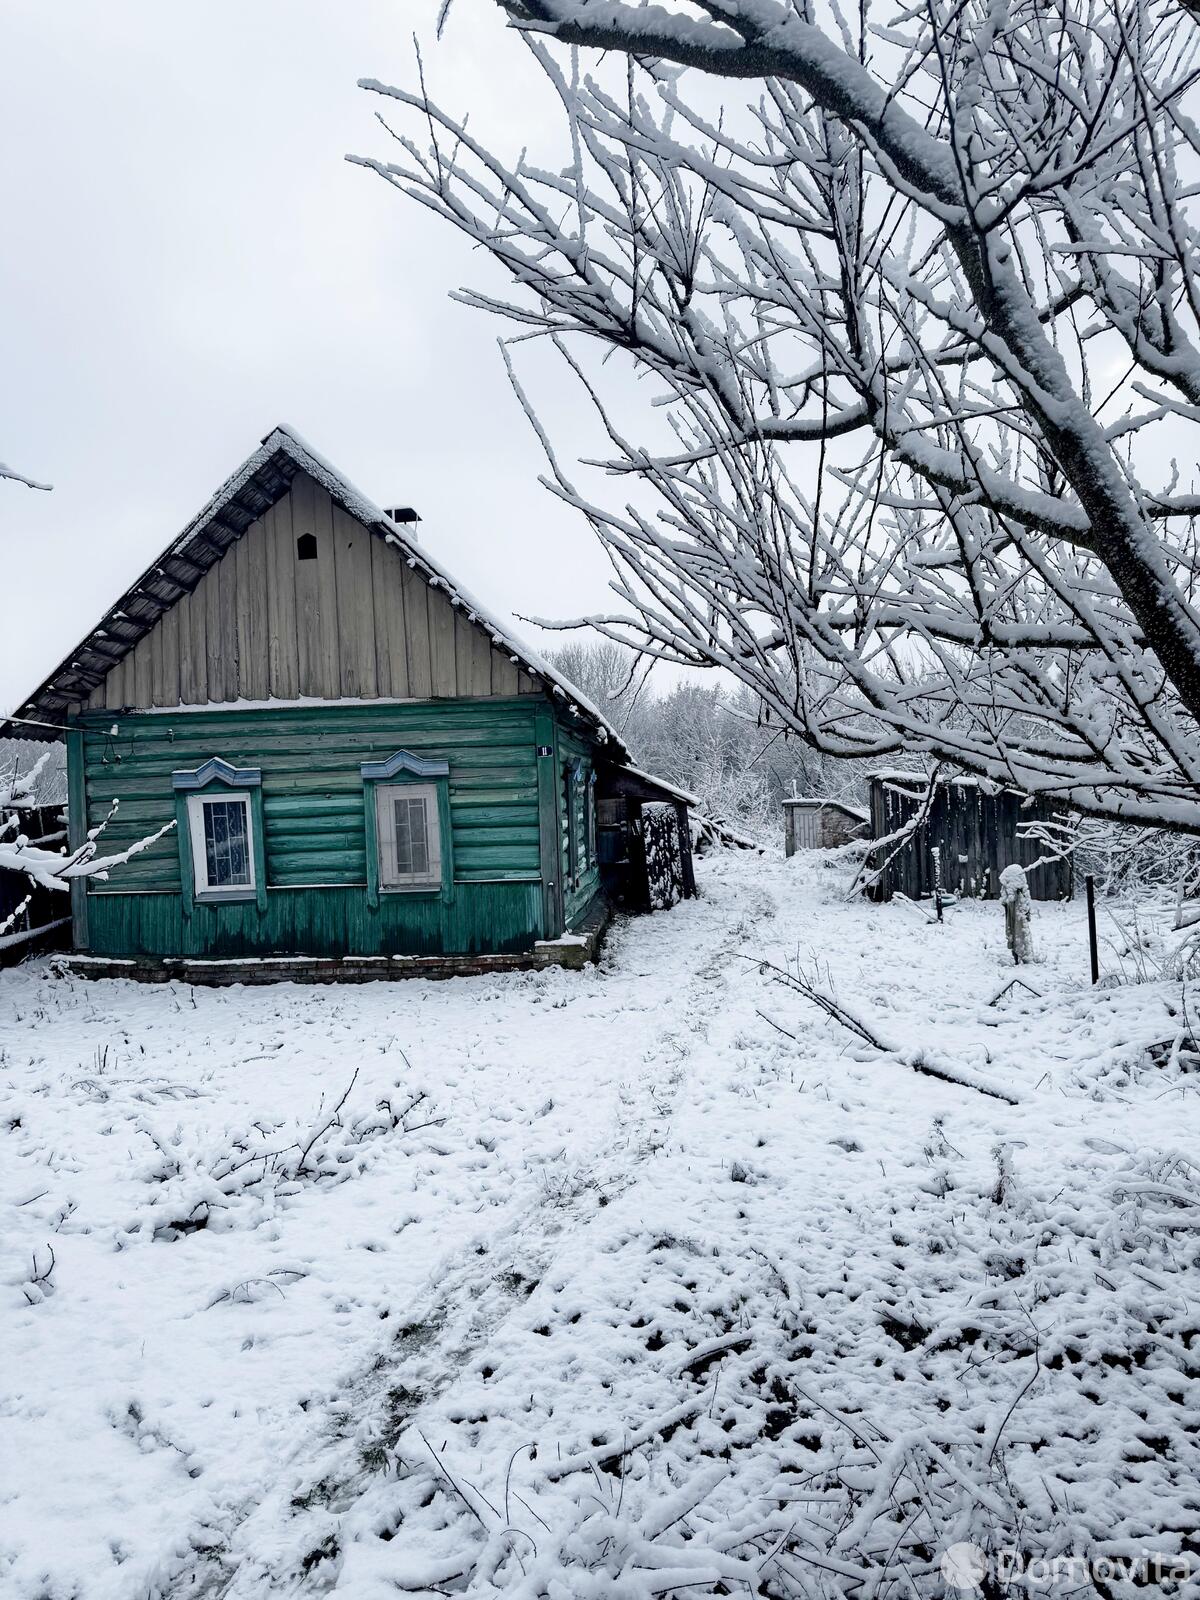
[[203, 889], [389, 879]]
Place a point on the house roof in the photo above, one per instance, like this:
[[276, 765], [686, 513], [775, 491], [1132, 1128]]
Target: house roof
[[900, 777], [812, 803], [661, 783], [252, 490]]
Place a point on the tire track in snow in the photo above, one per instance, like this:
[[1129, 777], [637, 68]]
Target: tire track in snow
[[291, 1538]]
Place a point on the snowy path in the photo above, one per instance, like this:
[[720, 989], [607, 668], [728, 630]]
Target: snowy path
[[601, 1321]]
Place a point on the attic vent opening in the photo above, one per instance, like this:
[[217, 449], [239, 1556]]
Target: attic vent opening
[[306, 547]]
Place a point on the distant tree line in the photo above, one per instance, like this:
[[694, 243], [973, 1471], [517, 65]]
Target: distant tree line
[[711, 739]]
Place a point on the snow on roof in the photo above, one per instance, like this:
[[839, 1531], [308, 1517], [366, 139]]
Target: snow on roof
[[860, 812], [899, 775], [907, 775], [259, 480], [661, 783]]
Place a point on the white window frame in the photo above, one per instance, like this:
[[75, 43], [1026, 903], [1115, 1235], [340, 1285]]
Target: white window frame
[[391, 880], [220, 891]]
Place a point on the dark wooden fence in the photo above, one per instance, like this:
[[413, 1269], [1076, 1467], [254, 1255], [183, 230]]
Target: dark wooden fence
[[977, 831], [45, 922]]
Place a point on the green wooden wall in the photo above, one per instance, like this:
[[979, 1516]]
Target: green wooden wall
[[314, 831]]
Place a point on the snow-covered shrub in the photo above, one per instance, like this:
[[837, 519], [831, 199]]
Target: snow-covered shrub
[[1138, 861], [1155, 1217], [241, 1173]]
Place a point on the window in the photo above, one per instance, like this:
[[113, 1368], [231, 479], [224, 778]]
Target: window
[[222, 847], [406, 820], [589, 832], [219, 825], [579, 823], [410, 846], [306, 547]]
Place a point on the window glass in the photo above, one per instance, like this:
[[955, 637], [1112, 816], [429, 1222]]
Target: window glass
[[412, 836], [222, 844], [406, 816], [226, 843]]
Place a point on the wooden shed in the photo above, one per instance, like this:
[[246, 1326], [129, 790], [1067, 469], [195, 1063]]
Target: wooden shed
[[644, 839], [368, 775], [976, 828], [821, 824]]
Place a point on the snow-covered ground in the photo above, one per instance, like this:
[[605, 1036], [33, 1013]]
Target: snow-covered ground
[[649, 1280]]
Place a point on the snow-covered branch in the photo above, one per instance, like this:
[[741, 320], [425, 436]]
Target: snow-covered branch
[[12, 476], [920, 300], [55, 869], [41, 857]]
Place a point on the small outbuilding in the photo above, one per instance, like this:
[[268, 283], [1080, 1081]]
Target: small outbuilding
[[970, 832], [822, 824], [644, 840]]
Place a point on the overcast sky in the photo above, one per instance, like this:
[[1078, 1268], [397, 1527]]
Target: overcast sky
[[188, 260]]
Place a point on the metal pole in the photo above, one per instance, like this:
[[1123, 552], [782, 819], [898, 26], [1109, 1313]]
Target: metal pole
[[1093, 947]]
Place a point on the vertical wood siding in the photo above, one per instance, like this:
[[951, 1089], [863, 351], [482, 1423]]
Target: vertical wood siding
[[355, 623], [977, 833]]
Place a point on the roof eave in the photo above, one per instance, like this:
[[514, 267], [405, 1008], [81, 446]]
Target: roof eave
[[258, 483]]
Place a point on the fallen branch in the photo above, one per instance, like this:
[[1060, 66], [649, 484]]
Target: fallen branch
[[609, 1456], [917, 1060], [325, 1126], [1014, 983], [9, 941]]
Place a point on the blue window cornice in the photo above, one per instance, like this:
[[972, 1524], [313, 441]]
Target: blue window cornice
[[402, 768], [404, 761], [214, 770]]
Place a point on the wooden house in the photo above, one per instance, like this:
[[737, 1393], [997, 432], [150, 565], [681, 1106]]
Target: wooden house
[[367, 774], [976, 829]]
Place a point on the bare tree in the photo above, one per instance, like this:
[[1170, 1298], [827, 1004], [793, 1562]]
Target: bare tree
[[612, 678], [919, 292], [709, 738]]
